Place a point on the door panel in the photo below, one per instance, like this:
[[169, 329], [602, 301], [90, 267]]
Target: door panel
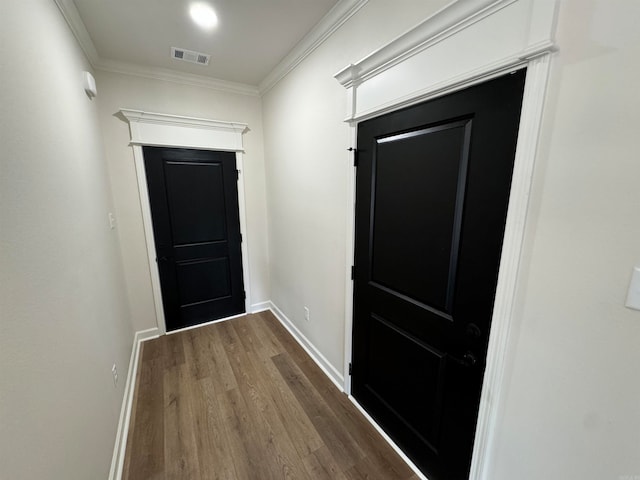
[[432, 190], [203, 280], [392, 384], [195, 184], [194, 206], [428, 164]]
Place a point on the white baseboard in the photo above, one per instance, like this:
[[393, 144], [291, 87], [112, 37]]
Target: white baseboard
[[260, 307], [330, 371], [117, 461], [388, 439]]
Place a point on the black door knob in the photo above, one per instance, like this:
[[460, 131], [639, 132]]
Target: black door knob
[[467, 360]]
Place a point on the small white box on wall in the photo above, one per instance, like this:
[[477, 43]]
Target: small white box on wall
[[89, 84], [633, 296]]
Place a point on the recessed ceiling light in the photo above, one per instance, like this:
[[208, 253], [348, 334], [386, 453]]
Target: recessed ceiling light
[[203, 15]]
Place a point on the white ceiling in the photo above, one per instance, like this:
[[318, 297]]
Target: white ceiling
[[251, 38]]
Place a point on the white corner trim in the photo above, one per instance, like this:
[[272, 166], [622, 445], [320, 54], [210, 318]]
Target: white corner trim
[[244, 232], [117, 461], [493, 383], [147, 224], [72, 16], [349, 261], [173, 76], [330, 371], [334, 19], [260, 307]]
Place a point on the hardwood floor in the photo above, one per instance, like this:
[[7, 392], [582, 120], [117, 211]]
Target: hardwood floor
[[241, 400]]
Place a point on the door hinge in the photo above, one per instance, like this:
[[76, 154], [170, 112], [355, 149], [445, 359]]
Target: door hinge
[[355, 155], [237, 174], [350, 368], [244, 294], [240, 238], [353, 272]]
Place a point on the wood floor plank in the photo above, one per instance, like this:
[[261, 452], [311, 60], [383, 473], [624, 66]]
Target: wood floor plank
[[151, 350], [255, 437], [196, 353], [244, 464], [222, 373], [147, 418], [322, 466], [265, 334], [377, 466], [241, 400], [335, 437], [262, 411], [295, 420], [173, 350], [213, 449], [180, 452], [284, 404]]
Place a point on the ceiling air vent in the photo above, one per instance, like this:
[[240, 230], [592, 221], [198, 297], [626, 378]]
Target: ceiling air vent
[[190, 56]]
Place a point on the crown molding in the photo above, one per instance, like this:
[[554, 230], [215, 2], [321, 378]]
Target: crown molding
[[334, 19], [72, 16], [176, 77]]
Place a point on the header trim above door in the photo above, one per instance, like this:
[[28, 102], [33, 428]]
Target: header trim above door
[[466, 42], [164, 130]]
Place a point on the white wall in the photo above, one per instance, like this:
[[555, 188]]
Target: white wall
[[64, 318], [570, 408], [118, 91]]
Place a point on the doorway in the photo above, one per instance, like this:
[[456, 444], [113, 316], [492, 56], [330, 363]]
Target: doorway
[[432, 191], [193, 197]]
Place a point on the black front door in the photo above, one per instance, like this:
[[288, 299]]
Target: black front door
[[432, 189], [194, 207]]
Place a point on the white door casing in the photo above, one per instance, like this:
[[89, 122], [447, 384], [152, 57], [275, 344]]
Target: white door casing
[[465, 43], [173, 131]]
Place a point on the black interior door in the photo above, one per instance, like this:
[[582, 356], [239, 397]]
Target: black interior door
[[194, 207], [432, 189]]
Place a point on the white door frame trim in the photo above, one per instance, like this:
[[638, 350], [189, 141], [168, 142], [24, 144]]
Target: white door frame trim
[[465, 43], [174, 131]]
